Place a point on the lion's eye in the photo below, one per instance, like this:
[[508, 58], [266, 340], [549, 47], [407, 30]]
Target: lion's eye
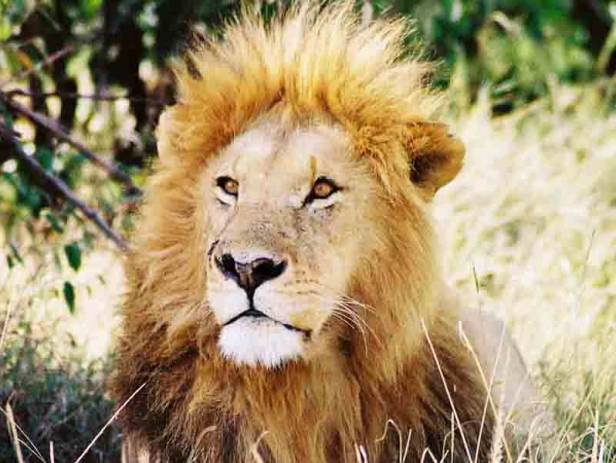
[[323, 188], [228, 185]]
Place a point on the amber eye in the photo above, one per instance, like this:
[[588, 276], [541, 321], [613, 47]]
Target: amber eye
[[228, 185], [323, 188]]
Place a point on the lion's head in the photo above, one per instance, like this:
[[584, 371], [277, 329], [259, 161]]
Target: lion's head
[[290, 198], [294, 219]]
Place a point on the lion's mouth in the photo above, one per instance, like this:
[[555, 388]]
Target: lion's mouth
[[254, 313]]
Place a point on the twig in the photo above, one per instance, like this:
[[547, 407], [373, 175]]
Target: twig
[[57, 187], [5, 326], [113, 417], [14, 430], [13, 434], [59, 132], [46, 62], [81, 96]]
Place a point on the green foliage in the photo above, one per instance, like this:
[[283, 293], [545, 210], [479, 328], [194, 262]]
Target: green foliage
[[515, 47], [24, 202]]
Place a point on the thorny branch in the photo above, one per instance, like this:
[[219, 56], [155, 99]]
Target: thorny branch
[[60, 133], [57, 187], [80, 96]]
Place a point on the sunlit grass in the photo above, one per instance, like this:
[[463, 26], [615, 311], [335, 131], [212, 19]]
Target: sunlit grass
[[528, 231]]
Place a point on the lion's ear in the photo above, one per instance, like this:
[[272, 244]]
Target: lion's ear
[[435, 155]]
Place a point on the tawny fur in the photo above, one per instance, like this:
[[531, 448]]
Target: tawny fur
[[320, 65]]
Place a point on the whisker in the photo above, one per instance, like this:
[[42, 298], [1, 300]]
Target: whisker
[[352, 324], [356, 316], [345, 310], [347, 298], [357, 303], [346, 315], [342, 308]]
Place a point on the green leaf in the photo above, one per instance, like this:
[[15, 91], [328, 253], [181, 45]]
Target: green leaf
[[18, 8], [5, 28], [89, 8], [45, 158], [69, 296], [54, 222], [15, 253], [475, 279], [73, 255]]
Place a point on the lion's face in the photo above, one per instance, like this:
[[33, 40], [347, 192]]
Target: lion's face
[[287, 214]]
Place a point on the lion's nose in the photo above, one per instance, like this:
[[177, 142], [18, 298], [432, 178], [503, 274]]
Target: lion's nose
[[250, 275]]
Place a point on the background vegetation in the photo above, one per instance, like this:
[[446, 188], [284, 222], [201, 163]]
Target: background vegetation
[[529, 229]]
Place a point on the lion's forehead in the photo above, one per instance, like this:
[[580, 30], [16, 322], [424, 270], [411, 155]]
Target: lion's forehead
[[273, 160]]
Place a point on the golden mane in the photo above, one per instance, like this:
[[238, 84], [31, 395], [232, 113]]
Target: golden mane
[[321, 63]]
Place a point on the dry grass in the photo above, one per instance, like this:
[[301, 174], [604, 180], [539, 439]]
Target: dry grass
[[528, 231]]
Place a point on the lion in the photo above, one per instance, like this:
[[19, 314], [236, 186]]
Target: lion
[[284, 299]]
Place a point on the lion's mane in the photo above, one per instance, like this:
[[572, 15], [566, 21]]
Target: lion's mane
[[319, 62]]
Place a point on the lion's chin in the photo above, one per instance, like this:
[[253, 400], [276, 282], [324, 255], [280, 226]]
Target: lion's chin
[[254, 341]]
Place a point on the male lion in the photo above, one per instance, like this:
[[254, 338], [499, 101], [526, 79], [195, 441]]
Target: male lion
[[283, 298]]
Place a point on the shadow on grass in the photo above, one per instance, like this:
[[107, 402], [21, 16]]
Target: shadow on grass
[[52, 400]]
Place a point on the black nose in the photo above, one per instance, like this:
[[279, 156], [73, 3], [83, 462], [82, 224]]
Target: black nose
[[250, 275]]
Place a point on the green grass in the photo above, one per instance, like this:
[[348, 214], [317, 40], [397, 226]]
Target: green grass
[[527, 231]]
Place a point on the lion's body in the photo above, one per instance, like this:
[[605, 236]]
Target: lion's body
[[348, 391]]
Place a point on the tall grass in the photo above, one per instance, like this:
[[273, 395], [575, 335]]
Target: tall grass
[[528, 231]]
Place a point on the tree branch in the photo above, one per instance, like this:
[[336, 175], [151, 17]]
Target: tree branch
[[57, 187], [38, 66], [59, 132], [80, 96]]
